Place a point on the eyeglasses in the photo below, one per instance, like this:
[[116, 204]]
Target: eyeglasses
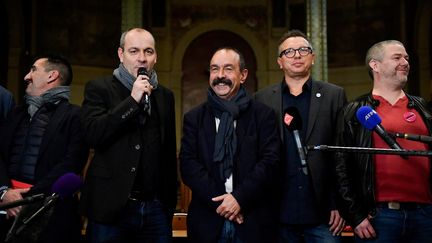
[[290, 52]]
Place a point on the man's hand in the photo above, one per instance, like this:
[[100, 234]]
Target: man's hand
[[13, 195], [141, 86], [239, 218], [229, 208], [337, 223], [365, 230]]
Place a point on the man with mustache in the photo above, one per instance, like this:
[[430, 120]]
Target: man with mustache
[[229, 156], [308, 191], [387, 198]]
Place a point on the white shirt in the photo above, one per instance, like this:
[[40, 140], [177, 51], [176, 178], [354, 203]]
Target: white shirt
[[229, 180]]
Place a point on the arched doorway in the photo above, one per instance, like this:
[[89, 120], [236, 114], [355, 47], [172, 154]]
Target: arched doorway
[[196, 60]]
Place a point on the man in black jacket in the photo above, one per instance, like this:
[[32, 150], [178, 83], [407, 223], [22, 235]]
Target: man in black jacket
[[41, 141], [308, 191], [229, 157], [387, 198], [130, 190], [6, 102]]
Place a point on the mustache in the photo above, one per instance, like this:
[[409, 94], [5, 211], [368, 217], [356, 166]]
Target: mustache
[[217, 81]]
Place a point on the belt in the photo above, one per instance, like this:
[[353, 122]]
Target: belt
[[141, 196], [401, 205]]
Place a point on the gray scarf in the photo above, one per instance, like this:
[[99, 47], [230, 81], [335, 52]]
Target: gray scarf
[[54, 96], [127, 79]]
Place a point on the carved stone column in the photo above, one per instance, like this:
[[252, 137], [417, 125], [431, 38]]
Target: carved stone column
[[131, 14], [316, 12]]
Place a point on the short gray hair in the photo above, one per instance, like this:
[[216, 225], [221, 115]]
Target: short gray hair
[[376, 52], [123, 36]]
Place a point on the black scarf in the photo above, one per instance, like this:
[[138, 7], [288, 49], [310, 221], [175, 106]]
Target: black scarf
[[226, 140]]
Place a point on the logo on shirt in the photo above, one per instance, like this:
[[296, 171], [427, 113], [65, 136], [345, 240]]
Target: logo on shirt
[[410, 116]]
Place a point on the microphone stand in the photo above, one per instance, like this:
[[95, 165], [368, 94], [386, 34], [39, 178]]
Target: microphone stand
[[370, 150], [26, 200], [15, 230]]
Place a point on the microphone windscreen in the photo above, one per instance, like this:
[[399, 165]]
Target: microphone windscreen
[[66, 185], [142, 71], [292, 118], [368, 117]]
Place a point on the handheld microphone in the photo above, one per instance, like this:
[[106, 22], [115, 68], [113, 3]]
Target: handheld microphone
[[414, 137], [66, 185], [370, 119], [293, 122], [143, 71]]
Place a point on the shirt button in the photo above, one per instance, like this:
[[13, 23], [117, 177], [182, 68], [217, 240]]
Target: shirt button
[[133, 169], [137, 147], [300, 187]]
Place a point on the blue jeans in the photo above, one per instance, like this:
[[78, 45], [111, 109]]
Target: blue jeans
[[144, 222], [402, 225], [228, 234], [305, 233]]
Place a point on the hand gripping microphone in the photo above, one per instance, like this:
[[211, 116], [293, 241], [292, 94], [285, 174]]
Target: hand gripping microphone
[[293, 122], [143, 71], [370, 119]]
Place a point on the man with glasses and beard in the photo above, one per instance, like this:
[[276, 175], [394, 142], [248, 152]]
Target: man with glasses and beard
[[229, 156], [308, 190]]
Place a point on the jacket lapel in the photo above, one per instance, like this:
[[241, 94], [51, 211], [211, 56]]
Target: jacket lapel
[[209, 125], [241, 127], [53, 126], [276, 104], [160, 105], [315, 104]]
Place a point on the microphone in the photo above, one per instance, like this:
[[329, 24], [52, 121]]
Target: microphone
[[293, 122], [66, 185], [24, 201], [363, 150], [370, 119], [143, 71], [63, 187], [414, 137]]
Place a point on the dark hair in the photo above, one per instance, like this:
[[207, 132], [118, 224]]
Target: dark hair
[[61, 64], [294, 33], [242, 63]]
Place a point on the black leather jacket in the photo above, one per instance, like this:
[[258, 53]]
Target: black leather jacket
[[355, 171]]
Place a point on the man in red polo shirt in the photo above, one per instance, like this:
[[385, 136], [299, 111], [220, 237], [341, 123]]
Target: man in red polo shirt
[[387, 198]]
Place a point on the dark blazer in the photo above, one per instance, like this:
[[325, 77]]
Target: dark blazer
[[62, 150], [254, 171], [326, 102], [110, 117], [6, 102]]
